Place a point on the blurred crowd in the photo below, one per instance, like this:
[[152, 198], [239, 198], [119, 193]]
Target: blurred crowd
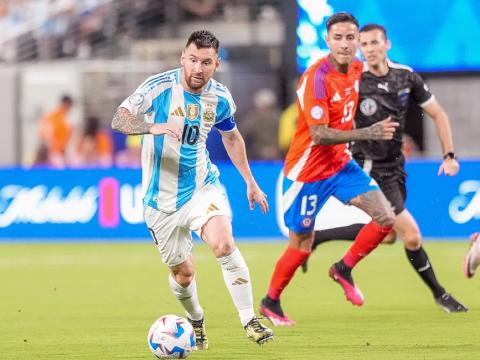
[[266, 128], [93, 145], [51, 29]]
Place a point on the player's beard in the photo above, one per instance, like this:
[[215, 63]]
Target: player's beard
[[195, 83]]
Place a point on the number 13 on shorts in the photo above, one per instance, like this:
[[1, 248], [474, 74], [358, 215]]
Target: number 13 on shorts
[[309, 205]]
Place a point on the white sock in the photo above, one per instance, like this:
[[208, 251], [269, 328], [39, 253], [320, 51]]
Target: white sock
[[188, 297], [237, 279]]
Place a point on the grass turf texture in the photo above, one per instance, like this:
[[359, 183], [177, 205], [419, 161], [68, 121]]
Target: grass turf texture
[[97, 301]]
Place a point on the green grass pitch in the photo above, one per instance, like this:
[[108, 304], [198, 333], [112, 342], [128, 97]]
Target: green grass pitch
[[97, 301]]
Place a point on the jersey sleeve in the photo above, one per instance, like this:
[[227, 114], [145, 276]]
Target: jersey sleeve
[[312, 95], [420, 92], [226, 125], [226, 106], [140, 102]]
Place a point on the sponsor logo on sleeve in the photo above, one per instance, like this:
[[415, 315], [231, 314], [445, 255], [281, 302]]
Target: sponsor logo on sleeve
[[316, 112], [136, 99]]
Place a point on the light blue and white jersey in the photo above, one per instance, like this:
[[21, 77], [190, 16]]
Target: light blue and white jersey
[[171, 170]]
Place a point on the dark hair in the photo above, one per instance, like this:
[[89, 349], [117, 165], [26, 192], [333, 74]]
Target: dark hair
[[66, 99], [92, 126], [203, 39], [341, 17], [370, 27]]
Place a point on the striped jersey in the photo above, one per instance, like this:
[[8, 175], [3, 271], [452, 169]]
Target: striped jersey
[[171, 170], [325, 96]]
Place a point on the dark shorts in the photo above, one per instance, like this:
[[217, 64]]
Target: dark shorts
[[391, 180]]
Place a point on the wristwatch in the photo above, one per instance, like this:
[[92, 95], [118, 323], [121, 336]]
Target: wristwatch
[[449, 155]]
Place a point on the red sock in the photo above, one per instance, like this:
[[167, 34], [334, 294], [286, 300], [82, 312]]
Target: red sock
[[285, 269], [367, 239]]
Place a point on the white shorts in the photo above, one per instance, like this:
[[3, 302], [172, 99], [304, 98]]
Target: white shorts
[[172, 233]]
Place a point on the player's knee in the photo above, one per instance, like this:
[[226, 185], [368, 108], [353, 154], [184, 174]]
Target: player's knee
[[413, 240], [225, 246], [390, 238], [387, 219], [184, 278]]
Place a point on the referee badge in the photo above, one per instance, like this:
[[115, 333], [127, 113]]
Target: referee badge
[[368, 107]]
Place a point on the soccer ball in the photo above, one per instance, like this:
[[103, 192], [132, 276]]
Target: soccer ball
[[171, 337]]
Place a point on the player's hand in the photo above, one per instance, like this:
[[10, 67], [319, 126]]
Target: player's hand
[[167, 129], [383, 130], [256, 195], [449, 167]]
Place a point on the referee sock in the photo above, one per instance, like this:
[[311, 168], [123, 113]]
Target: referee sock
[[348, 233], [421, 264], [367, 239], [285, 269], [188, 297], [237, 279]]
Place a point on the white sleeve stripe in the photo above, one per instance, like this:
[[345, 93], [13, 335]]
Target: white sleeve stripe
[[301, 92], [226, 131], [393, 65], [429, 101]]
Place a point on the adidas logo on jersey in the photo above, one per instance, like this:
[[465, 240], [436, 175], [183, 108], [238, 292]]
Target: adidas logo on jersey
[[336, 97], [212, 207], [178, 112]]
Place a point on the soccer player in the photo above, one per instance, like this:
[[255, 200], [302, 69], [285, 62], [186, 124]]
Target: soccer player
[[318, 165], [386, 90], [180, 185], [472, 259]]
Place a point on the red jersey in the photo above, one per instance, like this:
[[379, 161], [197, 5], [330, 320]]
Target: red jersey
[[324, 96]]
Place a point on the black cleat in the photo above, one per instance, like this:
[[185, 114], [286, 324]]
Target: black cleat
[[449, 304], [272, 310]]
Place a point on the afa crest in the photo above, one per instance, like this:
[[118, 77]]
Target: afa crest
[[208, 116], [192, 111]]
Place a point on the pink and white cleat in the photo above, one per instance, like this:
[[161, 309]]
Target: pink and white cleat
[[344, 278], [472, 259], [272, 310]]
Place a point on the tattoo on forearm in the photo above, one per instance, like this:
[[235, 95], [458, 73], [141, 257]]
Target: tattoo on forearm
[[327, 136], [129, 124]]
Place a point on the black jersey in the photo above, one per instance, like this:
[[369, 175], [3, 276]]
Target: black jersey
[[385, 96]]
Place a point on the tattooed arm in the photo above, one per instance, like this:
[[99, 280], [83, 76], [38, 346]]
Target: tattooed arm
[[125, 122], [382, 130]]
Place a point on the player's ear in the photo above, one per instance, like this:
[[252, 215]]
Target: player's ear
[[389, 44], [182, 58], [217, 63]]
